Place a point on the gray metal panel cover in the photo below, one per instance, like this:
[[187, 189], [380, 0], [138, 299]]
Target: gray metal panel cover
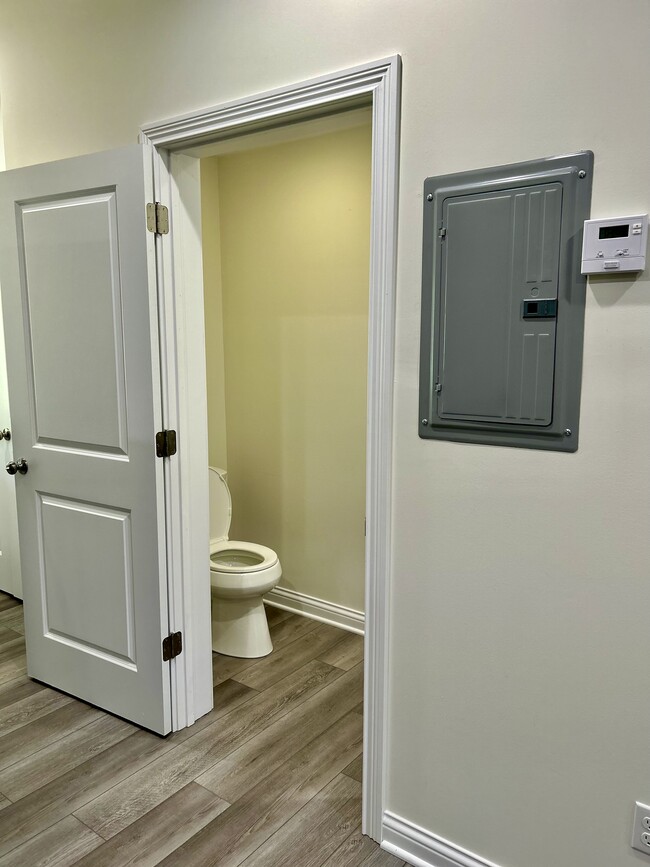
[[499, 249], [503, 303]]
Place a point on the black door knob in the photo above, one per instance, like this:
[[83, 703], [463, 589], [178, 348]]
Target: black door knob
[[19, 466], [5, 434]]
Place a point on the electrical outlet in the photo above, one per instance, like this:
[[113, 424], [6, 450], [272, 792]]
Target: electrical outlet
[[641, 830]]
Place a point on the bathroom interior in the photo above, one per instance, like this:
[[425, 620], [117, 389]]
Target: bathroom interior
[[286, 238]]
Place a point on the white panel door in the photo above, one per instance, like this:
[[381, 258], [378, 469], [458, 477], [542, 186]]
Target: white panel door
[[77, 274], [9, 559]]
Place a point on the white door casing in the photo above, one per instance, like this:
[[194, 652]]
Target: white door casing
[[183, 363], [77, 270]]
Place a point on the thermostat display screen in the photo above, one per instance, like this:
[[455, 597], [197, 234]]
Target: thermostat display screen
[[620, 231]]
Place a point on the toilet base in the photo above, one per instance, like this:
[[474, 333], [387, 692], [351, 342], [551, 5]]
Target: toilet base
[[240, 627]]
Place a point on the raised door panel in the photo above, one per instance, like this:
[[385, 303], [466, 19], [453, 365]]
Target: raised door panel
[[72, 294], [86, 572]]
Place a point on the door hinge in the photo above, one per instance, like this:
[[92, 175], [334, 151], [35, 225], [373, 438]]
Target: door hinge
[[442, 233], [157, 218], [438, 388], [165, 443], [172, 646]]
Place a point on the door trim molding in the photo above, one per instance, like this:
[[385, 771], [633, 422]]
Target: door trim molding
[[377, 83]]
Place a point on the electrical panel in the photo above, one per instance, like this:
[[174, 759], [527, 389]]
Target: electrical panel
[[503, 304]]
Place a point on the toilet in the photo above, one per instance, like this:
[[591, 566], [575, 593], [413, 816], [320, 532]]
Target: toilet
[[240, 574]]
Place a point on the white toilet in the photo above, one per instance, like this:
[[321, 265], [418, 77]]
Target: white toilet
[[240, 574]]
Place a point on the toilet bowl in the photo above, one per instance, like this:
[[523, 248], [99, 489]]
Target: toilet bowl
[[240, 574]]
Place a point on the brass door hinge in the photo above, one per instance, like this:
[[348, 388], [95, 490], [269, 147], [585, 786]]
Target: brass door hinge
[[157, 218], [165, 443], [172, 646]]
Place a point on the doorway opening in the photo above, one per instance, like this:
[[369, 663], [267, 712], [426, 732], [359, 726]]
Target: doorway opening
[[286, 236], [285, 240], [179, 144]]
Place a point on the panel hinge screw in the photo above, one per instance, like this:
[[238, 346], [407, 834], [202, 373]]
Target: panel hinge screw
[[430, 197], [567, 432], [425, 421], [582, 174]]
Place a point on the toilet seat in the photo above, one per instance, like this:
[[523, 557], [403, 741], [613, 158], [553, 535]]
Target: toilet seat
[[231, 556]]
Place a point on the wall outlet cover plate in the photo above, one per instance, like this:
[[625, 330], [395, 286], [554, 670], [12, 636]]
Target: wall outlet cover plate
[[641, 830]]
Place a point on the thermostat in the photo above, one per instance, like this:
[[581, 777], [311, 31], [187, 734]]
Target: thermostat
[[614, 245]]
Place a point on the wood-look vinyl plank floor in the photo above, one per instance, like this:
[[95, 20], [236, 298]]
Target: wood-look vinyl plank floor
[[353, 851], [39, 810], [126, 802], [160, 831], [39, 768], [7, 634], [354, 770], [236, 774], [61, 845], [250, 821], [12, 618], [273, 614], [30, 708], [278, 664], [34, 736], [315, 831], [17, 689], [271, 776], [346, 653]]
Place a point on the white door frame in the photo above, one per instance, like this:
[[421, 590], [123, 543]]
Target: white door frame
[[183, 378], [11, 578], [10, 575]]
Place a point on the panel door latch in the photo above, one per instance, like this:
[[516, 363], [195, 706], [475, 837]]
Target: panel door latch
[[157, 218], [165, 443], [172, 646]]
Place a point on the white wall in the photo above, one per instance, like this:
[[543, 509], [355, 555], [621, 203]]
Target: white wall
[[519, 639]]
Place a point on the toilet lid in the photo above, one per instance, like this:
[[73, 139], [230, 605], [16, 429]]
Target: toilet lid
[[220, 505]]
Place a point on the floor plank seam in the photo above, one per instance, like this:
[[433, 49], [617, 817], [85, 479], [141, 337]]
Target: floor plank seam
[[315, 659], [121, 781], [32, 836], [50, 743], [92, 830], [254, 662]]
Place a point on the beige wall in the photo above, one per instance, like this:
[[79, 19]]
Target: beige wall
[[214, 354], [519, 715], [295, 230]]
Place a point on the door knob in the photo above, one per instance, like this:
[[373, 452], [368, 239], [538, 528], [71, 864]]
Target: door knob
[[5, 434], [19, 466]]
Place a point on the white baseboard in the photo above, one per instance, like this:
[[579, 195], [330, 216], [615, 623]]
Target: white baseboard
[[421, 848], [317, 609]]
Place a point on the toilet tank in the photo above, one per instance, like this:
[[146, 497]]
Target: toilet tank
[[220, 505]]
